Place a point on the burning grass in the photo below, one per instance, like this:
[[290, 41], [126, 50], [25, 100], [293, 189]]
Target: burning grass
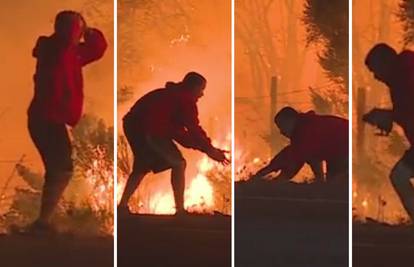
[[87, 204], [86, 207], [381, 206], [247, 165]]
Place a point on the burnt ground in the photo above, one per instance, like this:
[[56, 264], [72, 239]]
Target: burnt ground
[[377, 245], [163, 241], [55, 251], [291, 225]]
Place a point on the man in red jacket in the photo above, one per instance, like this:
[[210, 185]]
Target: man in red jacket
[[154, 122], [313, 139], [397, 72], [58, 100]]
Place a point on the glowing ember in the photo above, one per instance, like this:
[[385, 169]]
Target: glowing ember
[[365, 203]]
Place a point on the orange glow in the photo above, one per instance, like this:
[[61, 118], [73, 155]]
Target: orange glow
[[18, 66], [365, 203], [199, 196], [199, 41], [374, 22], [273, 46]]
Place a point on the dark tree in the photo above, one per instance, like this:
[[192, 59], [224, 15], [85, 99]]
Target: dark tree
[[406, 16], [327, 25]]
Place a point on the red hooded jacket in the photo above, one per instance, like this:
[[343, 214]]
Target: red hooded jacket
[[315, 137], [402, 93], [58, 94], [170, 112]]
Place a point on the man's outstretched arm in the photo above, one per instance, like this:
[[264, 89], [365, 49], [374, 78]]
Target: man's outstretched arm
[[281, 162], [266, 170], [195, 137]]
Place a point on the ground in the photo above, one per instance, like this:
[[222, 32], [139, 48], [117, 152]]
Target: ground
[[169, 241], [291, 225], [376, 244], [61, 251]]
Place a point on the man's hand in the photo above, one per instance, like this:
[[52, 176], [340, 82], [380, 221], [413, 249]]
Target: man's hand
[[380, 118], [262, 173], [218, 155], [87, 33]]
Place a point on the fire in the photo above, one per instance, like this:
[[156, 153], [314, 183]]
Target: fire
[[198, 195], [382, 206], [101, 182], [162, 204], [120, 188], [90, 194], [245, 166], [205, 165], [365, 203], [198, 198]]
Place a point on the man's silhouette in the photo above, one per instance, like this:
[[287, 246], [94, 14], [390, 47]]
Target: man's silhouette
[[313, 139], [397, 72], [58, 100], [153, 124]]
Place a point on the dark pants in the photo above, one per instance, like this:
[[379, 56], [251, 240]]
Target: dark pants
[[337, 170], [53, 143], [151, 153], [400, 176], [154, 154]]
